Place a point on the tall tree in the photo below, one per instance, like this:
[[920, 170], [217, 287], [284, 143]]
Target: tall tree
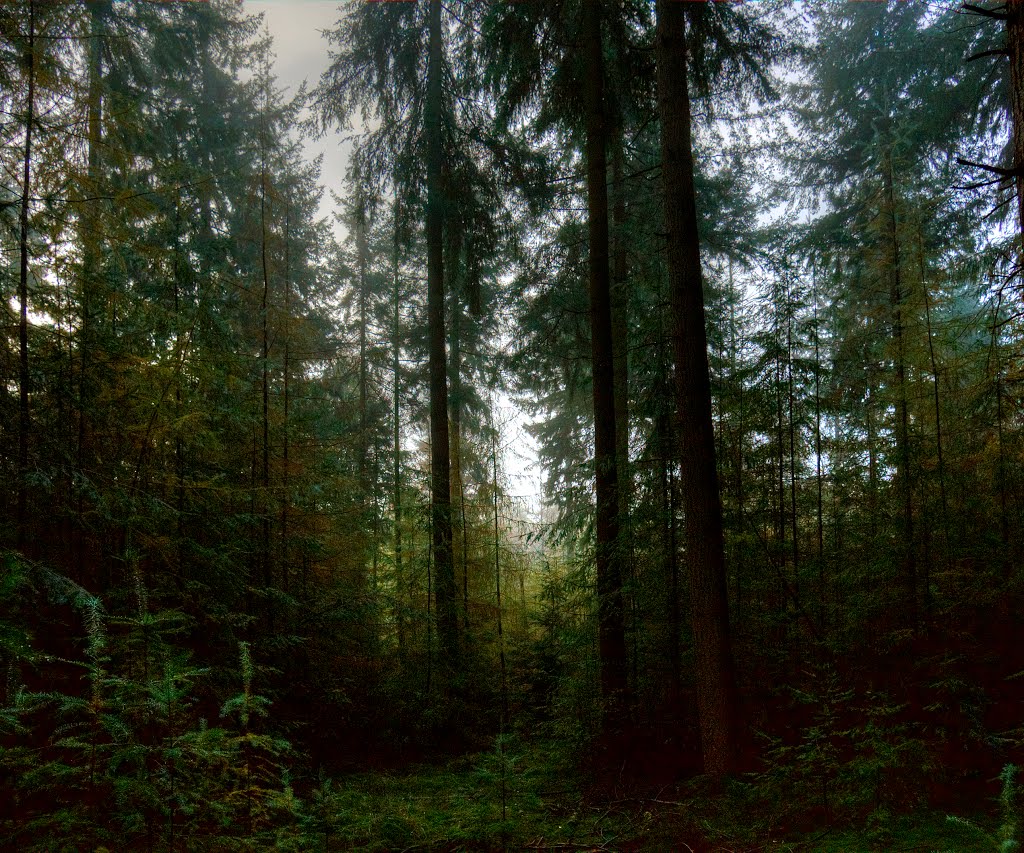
[[537, 73], [612, 641], [440, 452], [705, 550], [23, 274]]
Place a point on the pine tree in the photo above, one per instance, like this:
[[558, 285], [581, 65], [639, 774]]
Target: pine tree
[[705, 545]]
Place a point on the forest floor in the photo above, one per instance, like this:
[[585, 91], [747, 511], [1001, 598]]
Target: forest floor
[[528, 798]]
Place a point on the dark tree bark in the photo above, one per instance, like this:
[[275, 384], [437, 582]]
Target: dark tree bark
[[497, 584], [265, 556], [397, 439], [933, 359], [620, 371], [440, 457], [455, 400], [1015, 50], [791, 398], [90, 225], [611, 631], [705, 552], [24, 421], [286, 370], [904, 477], [820, 514], [362, 259], [620, 336]]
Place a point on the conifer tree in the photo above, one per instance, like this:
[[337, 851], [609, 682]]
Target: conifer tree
[[705, 544]]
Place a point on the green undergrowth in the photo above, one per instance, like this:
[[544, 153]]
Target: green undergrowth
[[738, 819], [459, 806], [547, 806]]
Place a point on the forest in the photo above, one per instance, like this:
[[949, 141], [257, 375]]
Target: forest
[[747, 274]]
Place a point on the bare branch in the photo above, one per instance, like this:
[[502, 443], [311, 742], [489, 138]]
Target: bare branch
[[999, 12], [996, 170], [996, 51]]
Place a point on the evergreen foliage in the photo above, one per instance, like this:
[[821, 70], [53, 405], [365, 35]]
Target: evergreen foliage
[[750, 277]]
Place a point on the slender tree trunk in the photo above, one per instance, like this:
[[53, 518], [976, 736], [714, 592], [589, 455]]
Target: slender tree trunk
[[620, 373], [1004, 517], [871, 435], [179, 444], [668, 489], [611, 629], [620, 338], [24, 422], [440, 457], [935, 399], [265, 382], [431, 594], [716, 682], [209, 103], [670, 545], [396, 412], [458, 487], [497, 582], [780, 479], [286, 369], [817, 457], [90, 236], [1015, 49], [362, 260], [791, 402], [737, 443], [903, 475]]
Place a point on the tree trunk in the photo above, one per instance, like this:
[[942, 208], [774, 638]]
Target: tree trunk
[[24, 424], [620, 371], [286, 370], [364, 426], [943, 502], [397, 439], [903, 475], [620, 339], [497, 583], [90, 227], [611, 630], [440, 458], [1015, 48], [737, 445], [820, 515], [791, 402], [265, 559], [458, 487], [716, 685], [669, 448]]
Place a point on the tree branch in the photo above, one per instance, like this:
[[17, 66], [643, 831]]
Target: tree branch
[[996, 51], [999, 12], [996, 170]]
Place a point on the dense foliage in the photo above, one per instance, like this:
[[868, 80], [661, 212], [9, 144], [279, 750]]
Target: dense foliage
[[752, 270]]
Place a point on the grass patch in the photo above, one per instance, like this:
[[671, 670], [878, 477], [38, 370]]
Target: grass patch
[[458, 807]]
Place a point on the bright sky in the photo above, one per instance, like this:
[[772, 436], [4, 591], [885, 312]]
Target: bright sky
[[302, 55]]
